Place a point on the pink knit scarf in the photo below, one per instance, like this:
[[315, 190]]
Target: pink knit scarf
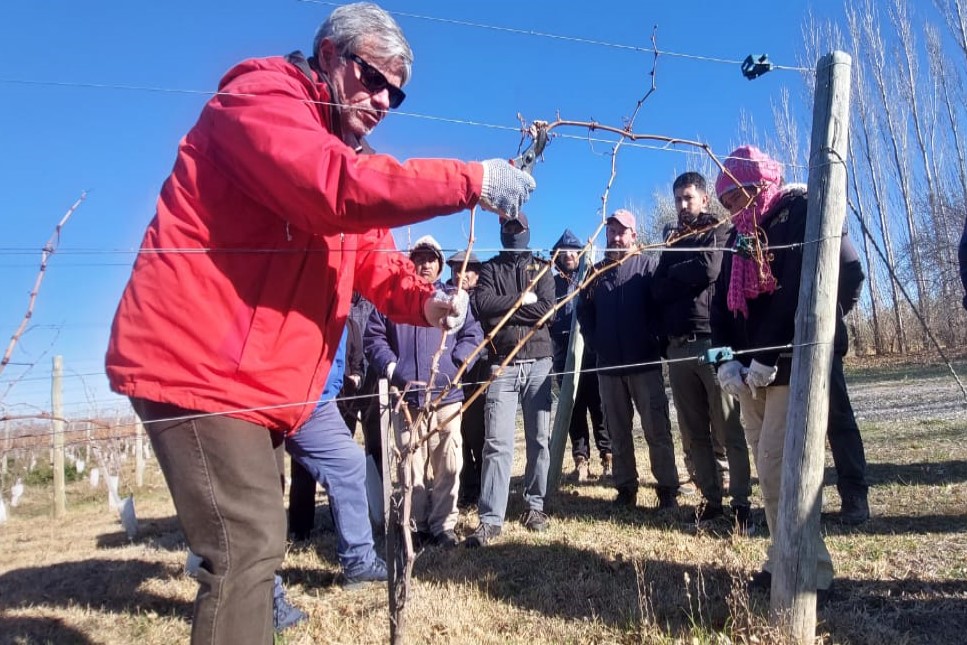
[[751, 276]]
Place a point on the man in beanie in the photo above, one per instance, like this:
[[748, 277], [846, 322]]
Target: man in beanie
[[587, 399], [506, 281], [618, 321], [404, 355], [754, 310], [683, 286], [472, 425]]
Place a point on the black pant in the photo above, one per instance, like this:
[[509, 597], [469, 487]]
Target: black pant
[[844, 437], [472, 429], [587, 401], [302, 502]]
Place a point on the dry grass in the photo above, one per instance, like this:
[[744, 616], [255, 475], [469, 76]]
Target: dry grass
[[596, 576]]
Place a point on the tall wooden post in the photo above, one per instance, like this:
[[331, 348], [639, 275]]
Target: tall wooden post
[[567, 394], [57, 425], [798, 535], [138, 453], [6, 452], [390, 515]]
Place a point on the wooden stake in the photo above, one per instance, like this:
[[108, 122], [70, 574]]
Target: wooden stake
[[798, 534], [138, 453]]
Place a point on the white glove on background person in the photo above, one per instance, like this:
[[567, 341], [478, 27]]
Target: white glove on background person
[[390, 368], [447, 311], [760, 376], [529, 298], [729, 375], [505, 188]]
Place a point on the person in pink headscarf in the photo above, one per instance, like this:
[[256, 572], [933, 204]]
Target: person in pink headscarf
[[754, 311]]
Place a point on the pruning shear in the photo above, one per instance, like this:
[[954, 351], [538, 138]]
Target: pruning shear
[[529, 157]]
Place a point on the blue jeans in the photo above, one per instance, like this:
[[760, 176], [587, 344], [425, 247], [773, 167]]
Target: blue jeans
[[529, 383], [325, 447]]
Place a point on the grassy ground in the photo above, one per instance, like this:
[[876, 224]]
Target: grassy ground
[[596, 576]]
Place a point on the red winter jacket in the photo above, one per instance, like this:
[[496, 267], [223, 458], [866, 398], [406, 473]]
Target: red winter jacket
[[240, 293]]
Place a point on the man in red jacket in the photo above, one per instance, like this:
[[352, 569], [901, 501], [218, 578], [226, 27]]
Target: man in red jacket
[[226, 330]]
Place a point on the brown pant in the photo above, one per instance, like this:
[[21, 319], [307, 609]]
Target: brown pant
[[223, 475]]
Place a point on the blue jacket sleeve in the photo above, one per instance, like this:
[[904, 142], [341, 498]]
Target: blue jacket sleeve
[[380, 351]]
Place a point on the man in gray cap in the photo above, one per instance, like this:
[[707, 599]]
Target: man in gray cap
[[617, 320]]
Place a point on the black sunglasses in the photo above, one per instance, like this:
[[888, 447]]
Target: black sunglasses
[[374, 81]]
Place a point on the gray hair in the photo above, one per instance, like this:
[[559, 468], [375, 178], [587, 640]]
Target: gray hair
[[347, 26]]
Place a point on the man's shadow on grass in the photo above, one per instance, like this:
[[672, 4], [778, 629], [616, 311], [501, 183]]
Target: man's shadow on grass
[[108, 586], [20, 629]]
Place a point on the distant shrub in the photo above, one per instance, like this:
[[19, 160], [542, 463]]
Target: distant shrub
[[43, 475]]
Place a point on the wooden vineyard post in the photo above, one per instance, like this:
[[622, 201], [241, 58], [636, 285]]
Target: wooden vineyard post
[[57, 425]]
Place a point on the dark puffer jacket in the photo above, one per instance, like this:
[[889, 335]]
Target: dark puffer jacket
[[502, 279], [617, 317]]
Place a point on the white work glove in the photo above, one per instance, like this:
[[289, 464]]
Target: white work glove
[[760, 376], [529, 298], [729, 375], [390, 368], [505, 188], [356, 380], [447, 311]]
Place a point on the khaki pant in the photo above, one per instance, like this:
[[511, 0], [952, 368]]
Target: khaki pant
[[435, 469], [764, 419]]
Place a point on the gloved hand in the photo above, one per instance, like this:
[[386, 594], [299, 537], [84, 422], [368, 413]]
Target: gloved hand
[[729, 375], [390, 369], [529, 298], [447, 311], [760, 375], [505, 188]]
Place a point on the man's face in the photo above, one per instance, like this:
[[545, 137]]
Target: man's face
[[469, 281], [621, 239], [427, 264], [362, 109], [690, 202], [568, 259]]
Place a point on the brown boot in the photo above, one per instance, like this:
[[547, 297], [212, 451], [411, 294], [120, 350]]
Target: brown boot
[[580, 473], [606, 471]]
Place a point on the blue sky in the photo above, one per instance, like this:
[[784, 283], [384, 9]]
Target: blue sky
[[66, 125]]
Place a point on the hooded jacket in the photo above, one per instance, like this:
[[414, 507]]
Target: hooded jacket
[[772, 316], [502, 279], [412, 349], [279, 220], [564, 284]]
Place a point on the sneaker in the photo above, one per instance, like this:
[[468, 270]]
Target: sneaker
[[627, 497], [606, 466], [534, 520], [284, 614], [741, 519], [446, 539], [375, 572], [667, 499], [708, 511], [854, 510], [580, 473], [483, 534]]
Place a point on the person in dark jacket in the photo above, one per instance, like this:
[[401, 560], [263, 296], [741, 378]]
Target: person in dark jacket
[[682, 287], [843, 433], [754, 311], [506, 281], [404, 355], [618, 321], [472, 425], [587, 399]]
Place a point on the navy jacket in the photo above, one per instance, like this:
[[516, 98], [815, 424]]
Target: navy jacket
[[412, 349], [618, 320]]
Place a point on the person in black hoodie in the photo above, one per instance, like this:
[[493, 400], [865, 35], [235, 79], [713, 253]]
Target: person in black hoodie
[[618, 321], [682, 286], [587, 399], [754, 311], [504, 281]]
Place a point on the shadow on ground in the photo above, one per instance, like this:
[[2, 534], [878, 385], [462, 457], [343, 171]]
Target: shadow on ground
[[109, 586]]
